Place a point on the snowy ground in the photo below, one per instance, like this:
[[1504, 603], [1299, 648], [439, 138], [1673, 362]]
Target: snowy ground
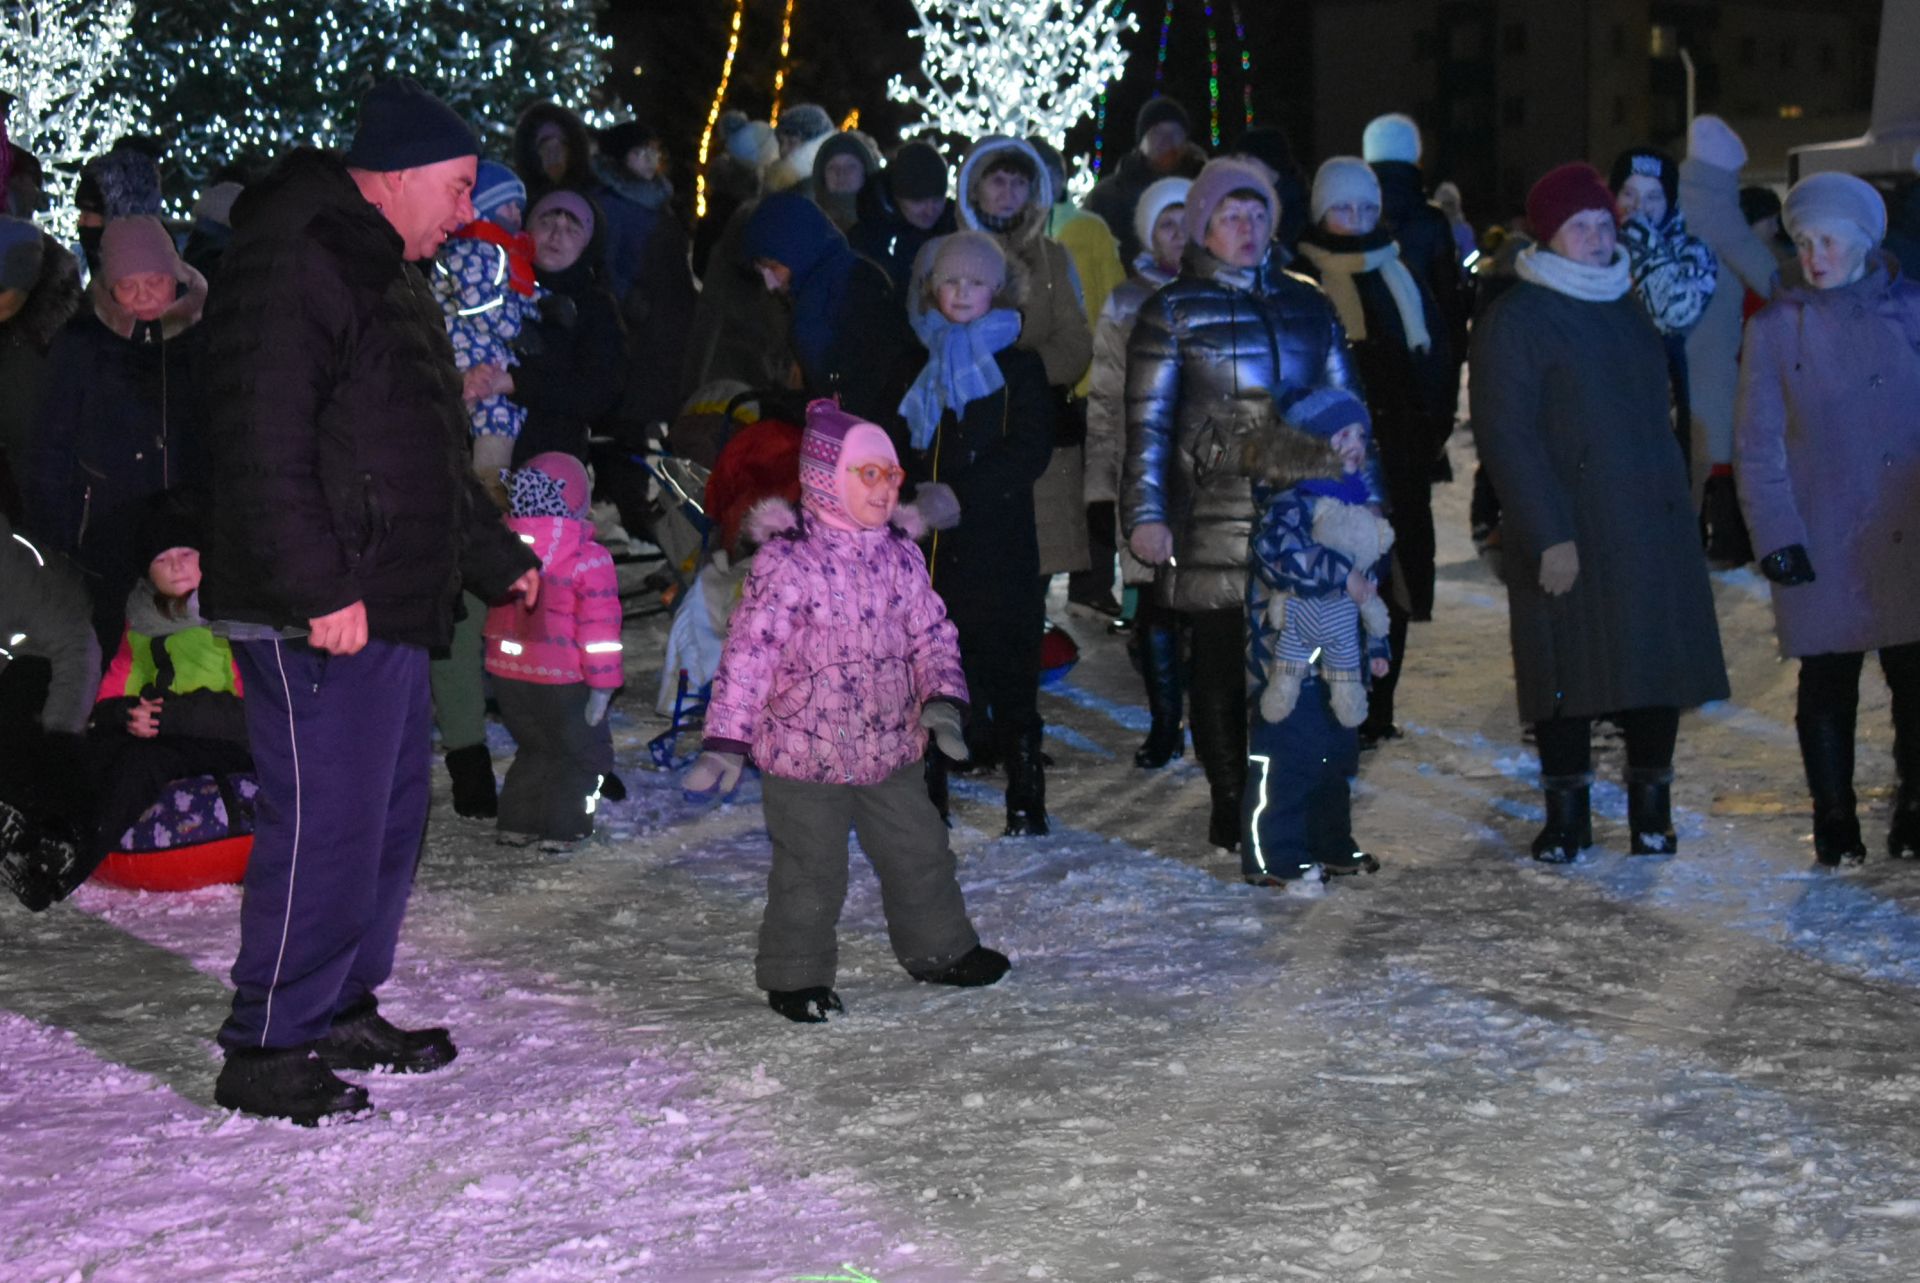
[[1470, 1067]]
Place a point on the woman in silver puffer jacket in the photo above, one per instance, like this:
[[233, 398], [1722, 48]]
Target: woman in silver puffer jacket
[[1234, 328]]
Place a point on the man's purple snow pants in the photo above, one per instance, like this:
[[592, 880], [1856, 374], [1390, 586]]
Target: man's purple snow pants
[[342, 749]]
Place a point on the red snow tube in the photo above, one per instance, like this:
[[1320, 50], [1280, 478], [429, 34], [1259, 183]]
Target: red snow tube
[[184, 868], [1058, 653]]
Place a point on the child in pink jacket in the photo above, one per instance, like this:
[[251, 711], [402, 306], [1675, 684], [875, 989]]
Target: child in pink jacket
[[555, 667], [838, 662]]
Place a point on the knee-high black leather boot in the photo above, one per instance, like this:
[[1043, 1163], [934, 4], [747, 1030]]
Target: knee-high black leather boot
[[1026, 783], [1826, 750], [1160, 668]]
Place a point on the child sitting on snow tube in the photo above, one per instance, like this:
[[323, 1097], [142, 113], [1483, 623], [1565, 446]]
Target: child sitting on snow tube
[[168, 734]]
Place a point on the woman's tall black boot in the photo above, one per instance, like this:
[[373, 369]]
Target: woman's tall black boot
[[1826, 749], [1159, 649], [1569, 829], [1026, 784], [1650, 810], [1903, 831]]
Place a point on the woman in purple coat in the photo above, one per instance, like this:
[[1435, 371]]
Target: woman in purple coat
[[1827, 451]]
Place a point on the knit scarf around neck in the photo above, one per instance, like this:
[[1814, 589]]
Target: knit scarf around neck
[[1340, 259], [1576, 280], [960, 367]]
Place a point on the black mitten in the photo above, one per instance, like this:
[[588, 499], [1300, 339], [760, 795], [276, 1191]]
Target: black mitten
[[1788, 566]]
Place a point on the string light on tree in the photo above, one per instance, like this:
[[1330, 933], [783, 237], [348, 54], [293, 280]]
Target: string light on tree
[[713, 112], [57, 58], [780, 73], [256, 79], [1019, 67]]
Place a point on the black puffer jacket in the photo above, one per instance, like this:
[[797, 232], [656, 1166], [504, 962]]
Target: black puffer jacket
[[1427, 248], [1204, 346], [573, 359], [336, 432]]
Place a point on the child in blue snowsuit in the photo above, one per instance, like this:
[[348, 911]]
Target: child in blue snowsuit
[[1312, 599], [484, 281]]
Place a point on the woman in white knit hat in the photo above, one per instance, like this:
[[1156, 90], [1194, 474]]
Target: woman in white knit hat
[[1400, 346], [1827, 450]]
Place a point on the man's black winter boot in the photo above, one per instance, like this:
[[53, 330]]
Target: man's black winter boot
[[362, 1038], [1650, 810], [977, 967], [805, 1006], [474, 794], [1569, 828], [290, 1083]]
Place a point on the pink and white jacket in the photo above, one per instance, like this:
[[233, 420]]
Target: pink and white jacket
[[838, 642], [573, 634]]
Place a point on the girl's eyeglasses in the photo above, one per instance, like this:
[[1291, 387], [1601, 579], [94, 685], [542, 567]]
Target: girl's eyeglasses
[[873, 474]]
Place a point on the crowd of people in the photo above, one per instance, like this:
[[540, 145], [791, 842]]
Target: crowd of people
[[288, 487]]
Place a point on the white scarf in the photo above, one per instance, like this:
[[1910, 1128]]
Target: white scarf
[[1576, 280], [1337, 270]]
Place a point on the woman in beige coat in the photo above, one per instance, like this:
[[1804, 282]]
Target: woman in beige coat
[[1005, 191]]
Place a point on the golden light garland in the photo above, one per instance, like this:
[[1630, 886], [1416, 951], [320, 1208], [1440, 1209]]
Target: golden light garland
[[713, 112], [852, 121], [780, 74]]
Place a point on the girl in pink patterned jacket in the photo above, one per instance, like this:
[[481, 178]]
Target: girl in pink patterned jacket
[[555, 667], [838, 662]]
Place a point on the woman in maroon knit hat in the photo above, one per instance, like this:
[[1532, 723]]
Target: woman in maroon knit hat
[[1611, 613]]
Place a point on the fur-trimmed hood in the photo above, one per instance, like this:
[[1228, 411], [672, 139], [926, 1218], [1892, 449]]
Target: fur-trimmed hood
[[775, 518], [1032, 223], [795, 170], [52, 301], [182, 316]]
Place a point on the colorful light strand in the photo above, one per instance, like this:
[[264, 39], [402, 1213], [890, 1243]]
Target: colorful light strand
[[1160, 60], [1100, 113], [1246, 64], [780, 74], [713, 112], [1213, 77]]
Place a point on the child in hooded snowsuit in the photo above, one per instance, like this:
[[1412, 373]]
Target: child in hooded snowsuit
[[839, 661], [168, 735], [1315, 621], [555, 667], [485, 284]]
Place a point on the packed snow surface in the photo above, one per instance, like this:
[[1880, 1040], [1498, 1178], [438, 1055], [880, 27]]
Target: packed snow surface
[[1470, 1067]]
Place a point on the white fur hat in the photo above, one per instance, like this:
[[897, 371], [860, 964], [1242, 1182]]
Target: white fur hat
[[1712, 140], [1391, 137], [1342, 179], [1154, 202]]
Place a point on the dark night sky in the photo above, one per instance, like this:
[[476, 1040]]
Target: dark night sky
[[843, 52]]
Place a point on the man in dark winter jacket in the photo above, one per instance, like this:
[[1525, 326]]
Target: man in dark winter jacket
[[1391, 145], [1162, 152], [910, 208], [849, 328], [345, 520]]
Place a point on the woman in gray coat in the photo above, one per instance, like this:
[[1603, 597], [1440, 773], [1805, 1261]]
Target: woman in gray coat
[[1828, 455], [1609, 605]]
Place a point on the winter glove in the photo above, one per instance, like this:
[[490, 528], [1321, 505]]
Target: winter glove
[[597, 702], [1559, 567], [943, 719], [712, 775], [938, 506], [1152, 543], [1789, 566]]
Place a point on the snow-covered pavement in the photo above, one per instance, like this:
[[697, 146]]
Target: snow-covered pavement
[[1470, 1067]]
